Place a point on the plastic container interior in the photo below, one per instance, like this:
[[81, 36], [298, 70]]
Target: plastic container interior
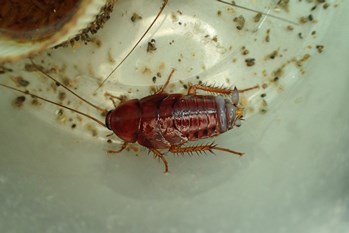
[[55, 173]]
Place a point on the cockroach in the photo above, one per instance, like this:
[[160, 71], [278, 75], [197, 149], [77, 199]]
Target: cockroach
[[163, 121], [167, 121]]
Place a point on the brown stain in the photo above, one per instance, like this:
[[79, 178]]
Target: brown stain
[[272, 55], [161, 68], [299, 63], [61, 117], [243, 101], [35, 102], [135, 17], [244, 51], [20, 81], [146, 71], [263, 108], [151, 46], [267, 35], [18, 101], [90, 69], [111, 59], [133, 147], [62, 95], [92, 129], [257, 17], [240, 22], [320, 48], [250, 61], [283, 5]]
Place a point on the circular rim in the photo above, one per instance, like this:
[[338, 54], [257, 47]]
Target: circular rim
[[69, 30]]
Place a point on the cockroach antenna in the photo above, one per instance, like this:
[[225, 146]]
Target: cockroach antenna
[[255, 11], [65, 87], [135, 46], [54, 103]]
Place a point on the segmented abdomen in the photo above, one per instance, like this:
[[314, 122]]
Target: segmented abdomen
[[173, 119], [199, 116]]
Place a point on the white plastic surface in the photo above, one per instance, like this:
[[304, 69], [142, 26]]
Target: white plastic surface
[[293, 178]]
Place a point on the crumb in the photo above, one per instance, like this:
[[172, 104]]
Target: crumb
[[151, 46], [135, 17], [320, 48], [250, 61], [240, 22], [18, 102]]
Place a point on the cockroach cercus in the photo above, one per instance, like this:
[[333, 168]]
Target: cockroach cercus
[[164, 122]]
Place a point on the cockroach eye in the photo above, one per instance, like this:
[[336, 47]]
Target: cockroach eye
[[238, 123]]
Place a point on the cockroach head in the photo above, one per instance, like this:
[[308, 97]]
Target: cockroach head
[[239, 112], [239, 116]]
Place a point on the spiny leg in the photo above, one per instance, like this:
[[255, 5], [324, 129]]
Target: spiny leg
[[201, 148], [166, 83], [219, 90], [160, 156], [123, 147]]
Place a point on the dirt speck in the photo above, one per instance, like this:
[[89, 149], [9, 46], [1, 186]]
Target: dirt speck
[[35, 102], [244, 50], [283, 5], [263, 108], [135, 17], [267, 36], [320, 48], [250, 61], [19, 101], [272, 55], [20, 81], [146, 71], [61, 117], [257, 17], [92, 129], [151, 46], [110, 57], [62, 95], [240, 22]]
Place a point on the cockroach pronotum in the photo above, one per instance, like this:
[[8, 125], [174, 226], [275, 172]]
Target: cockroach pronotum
[[163, 121]]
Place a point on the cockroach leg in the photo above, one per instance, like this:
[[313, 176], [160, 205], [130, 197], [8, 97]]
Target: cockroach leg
[[161, 90], [201, 148], [158, 154], [123, 147], [219, 90], [114, 99]]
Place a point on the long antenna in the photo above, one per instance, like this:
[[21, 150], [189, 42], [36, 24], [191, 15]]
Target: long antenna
[[54, 103], [134, 47], [65, 87], [255, 11]]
